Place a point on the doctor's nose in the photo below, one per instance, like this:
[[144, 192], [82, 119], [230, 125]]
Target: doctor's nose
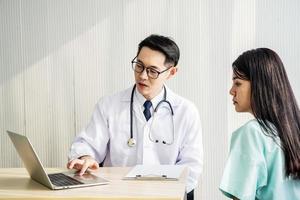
[[231, 91], [144, 74]]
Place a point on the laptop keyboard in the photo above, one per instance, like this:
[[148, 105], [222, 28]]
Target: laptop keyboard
[[60, 179]]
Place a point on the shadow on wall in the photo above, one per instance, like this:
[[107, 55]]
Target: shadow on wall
[[33, 30], [32, 34]]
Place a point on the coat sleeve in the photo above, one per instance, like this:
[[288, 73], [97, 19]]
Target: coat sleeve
[[94, 138], [191, 150]]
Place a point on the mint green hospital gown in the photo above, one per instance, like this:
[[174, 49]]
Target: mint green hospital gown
[[255, 167]]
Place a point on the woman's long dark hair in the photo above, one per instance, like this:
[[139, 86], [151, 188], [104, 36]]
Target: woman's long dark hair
[[273, 100]]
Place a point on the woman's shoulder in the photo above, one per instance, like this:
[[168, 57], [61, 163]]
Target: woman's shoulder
[[249, 134], [249, 129], [250, 125]]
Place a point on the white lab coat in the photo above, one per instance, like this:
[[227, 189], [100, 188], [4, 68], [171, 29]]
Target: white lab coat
[[106, 136]]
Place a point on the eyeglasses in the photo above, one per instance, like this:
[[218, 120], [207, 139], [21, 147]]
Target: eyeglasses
[[151, 73]]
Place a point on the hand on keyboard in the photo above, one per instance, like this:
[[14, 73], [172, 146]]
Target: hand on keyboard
[[83, 163]]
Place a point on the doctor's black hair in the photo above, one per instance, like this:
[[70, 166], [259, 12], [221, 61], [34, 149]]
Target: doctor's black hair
[[164, 45], [273, 100]]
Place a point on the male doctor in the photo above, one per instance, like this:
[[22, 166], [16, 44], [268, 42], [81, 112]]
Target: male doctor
[[146, 123]]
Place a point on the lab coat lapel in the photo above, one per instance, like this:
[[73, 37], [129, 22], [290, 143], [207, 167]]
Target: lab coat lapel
[[138, 113], [137, 110]]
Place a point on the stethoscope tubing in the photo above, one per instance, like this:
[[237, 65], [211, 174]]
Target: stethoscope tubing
[[131, 141]]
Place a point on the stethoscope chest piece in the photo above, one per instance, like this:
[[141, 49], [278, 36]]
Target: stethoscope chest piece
[[131, 142]]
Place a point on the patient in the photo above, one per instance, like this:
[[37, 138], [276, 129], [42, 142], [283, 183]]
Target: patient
[[264, 159]]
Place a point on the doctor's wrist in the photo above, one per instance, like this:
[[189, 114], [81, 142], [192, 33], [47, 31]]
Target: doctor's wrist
[[86, 157]]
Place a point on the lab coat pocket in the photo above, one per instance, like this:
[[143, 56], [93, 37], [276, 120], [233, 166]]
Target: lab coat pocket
[[162, 128]]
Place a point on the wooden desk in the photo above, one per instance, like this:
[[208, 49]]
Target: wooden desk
[[15, 183]]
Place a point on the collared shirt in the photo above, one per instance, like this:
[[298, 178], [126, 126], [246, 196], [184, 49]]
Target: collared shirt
[[141, 99], [106, 136]]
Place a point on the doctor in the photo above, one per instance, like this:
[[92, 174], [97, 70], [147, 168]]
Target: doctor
[[146, 123]]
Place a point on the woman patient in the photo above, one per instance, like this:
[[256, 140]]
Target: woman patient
[[264, 159]]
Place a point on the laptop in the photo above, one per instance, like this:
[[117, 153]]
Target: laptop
[[55, 181]]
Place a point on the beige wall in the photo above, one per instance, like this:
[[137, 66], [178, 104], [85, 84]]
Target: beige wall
[[58, 57]]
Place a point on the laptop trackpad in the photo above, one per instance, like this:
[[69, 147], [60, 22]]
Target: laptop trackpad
[[87, 178]]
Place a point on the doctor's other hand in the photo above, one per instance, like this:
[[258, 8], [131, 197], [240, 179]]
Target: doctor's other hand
[[83, 163]]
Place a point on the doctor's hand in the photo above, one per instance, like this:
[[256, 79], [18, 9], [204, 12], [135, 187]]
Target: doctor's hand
[[82, 164]]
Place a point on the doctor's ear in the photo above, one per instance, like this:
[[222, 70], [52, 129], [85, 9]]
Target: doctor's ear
[[173, 71]]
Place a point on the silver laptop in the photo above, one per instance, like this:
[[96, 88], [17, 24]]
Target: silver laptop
[[37, 172]]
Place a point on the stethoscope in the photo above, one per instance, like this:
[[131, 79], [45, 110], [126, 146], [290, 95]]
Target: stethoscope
[[131, 141]]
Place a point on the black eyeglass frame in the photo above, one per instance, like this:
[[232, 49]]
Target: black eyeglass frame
[[134, 62]]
